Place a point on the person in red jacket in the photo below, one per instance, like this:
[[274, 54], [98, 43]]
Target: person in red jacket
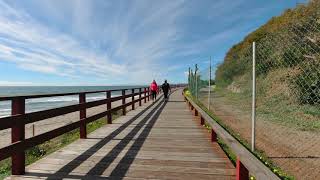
[[154, 90]]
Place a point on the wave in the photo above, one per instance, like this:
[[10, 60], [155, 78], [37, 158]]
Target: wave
[[5, 110], [33, 105]]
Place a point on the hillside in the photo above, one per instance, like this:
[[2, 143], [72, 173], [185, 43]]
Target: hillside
[[288, 46], [287, 87]]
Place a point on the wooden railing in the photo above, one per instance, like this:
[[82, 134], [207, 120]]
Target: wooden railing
[[20, 118], [246, 161]]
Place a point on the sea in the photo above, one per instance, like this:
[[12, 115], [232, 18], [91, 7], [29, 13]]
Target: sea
[[39, 104]]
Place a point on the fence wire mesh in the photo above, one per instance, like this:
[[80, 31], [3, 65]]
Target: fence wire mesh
[[287, 98]]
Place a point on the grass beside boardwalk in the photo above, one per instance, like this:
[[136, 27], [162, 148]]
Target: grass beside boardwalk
[[259, 154], [42, 150], [277, 109]]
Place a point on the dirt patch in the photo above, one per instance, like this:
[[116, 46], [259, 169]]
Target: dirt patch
[[296, 151]]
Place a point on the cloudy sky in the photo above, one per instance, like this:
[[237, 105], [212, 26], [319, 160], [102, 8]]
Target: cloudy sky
[[97, 42]]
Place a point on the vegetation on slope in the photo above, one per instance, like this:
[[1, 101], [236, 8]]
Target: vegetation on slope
[[290, 41], [288, 68]]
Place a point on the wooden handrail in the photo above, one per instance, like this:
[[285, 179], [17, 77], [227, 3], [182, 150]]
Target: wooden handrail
[[19, 119], [246, 161], [27, 118], [7, 98]]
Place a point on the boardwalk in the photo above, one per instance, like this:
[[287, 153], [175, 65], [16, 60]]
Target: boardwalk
[[158, 141]]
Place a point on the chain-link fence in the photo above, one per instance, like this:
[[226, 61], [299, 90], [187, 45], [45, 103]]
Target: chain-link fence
[[287, 97]]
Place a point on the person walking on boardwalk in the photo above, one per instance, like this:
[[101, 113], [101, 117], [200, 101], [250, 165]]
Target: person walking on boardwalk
[[166, 88], [154, 90]]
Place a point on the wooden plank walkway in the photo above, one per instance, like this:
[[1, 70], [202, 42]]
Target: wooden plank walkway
[[156, 141]]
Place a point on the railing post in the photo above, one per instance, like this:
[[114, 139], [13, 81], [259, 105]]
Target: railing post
[[145, 95], [242, 172], [195, 112], [132, 99], [83, 115], [123, 102], [148, 93], [213, 136], [33, 130], [109, 115], [18, 134], [201, 120], [140, 104]]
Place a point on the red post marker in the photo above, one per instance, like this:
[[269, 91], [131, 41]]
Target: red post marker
[[83, 115], [18, 134], [123, 102], [132, 99], [242, 172], [109, 116], [213, 136]]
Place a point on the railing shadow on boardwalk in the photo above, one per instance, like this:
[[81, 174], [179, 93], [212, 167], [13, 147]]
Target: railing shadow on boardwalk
[[104, 163]]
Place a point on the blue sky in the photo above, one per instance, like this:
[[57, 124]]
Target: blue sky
[[78, 42]]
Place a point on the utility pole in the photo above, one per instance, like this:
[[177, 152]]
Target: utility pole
[[253, 133], [196, 76], [189, 79], [209, 96]]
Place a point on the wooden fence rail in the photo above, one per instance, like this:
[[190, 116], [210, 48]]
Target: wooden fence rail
[[20, 118]]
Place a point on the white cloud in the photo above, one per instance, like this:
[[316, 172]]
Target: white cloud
[[136, 38], [35, 47], [112, 41]]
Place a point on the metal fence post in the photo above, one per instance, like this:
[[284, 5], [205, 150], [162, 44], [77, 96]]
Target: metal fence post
[[18, 134], [209, 95], [83, 114], [196, 83], [109, 116], [253, 96]]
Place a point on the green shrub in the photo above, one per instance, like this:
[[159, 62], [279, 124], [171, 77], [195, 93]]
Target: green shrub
[[308, 84]]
